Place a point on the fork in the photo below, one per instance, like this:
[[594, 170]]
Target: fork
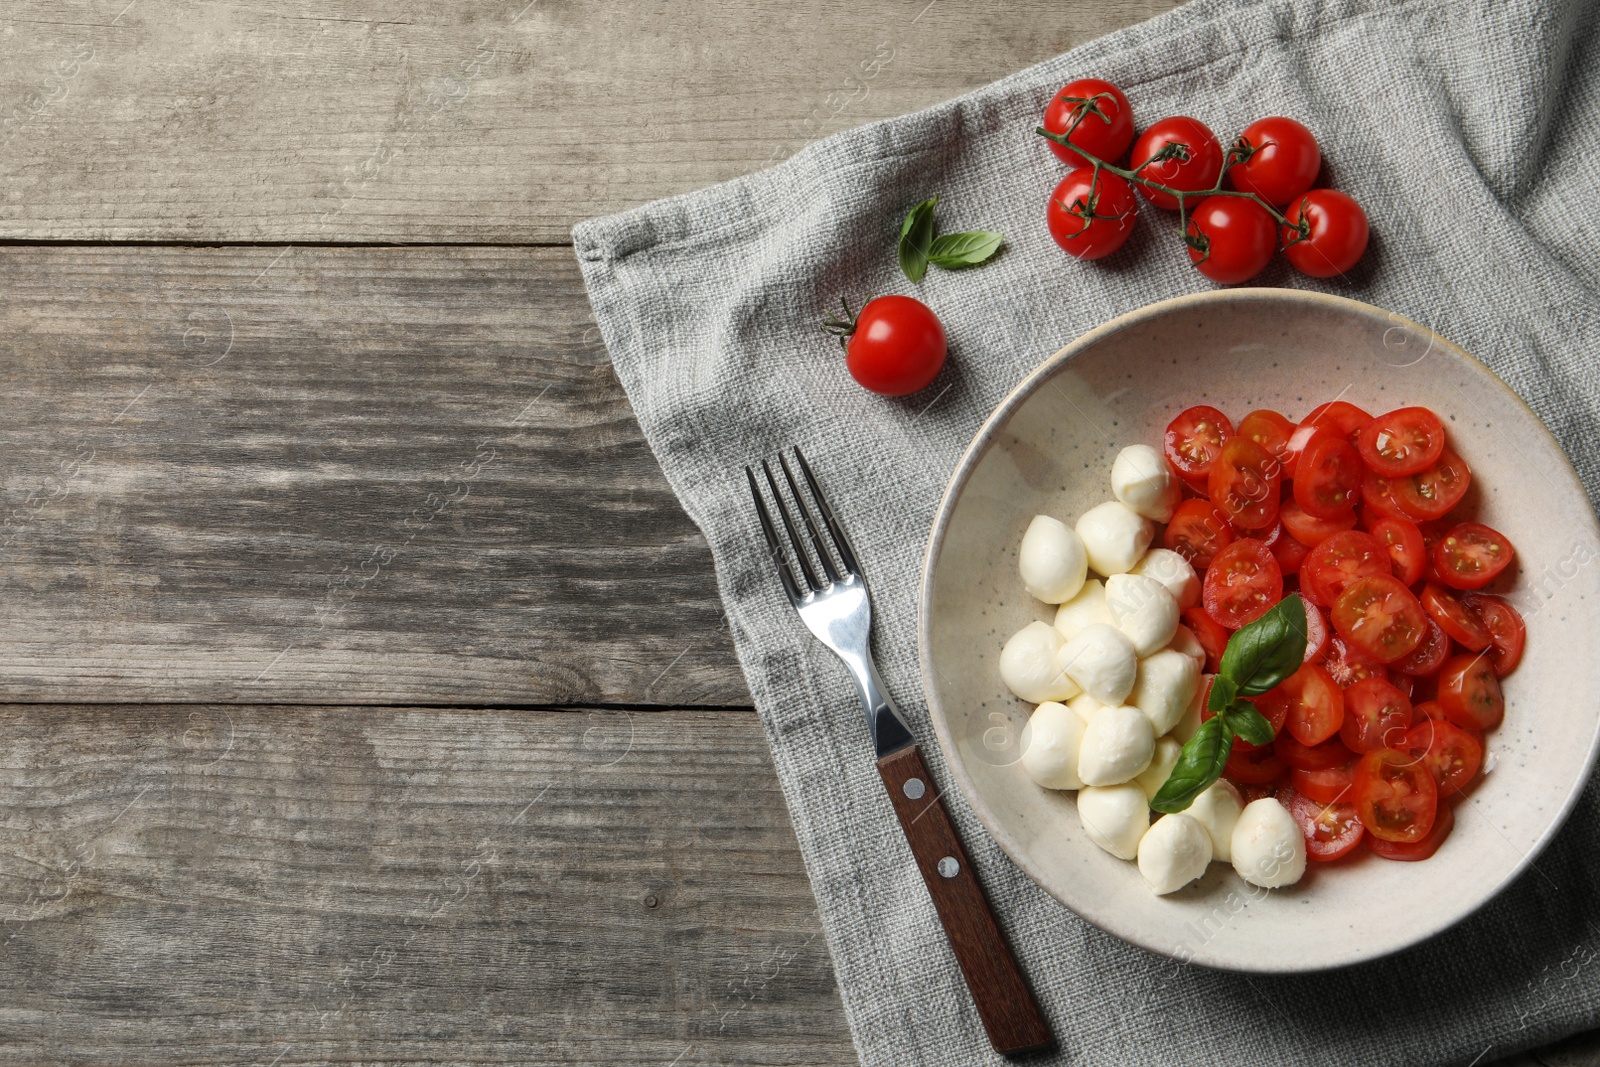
[[832, 600]]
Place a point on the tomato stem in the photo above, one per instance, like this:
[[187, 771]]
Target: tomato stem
[[1238, 153]]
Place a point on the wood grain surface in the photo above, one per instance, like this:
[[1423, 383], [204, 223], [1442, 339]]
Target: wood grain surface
[[245, 884], [331, 496], [474, 120], [334, 475]]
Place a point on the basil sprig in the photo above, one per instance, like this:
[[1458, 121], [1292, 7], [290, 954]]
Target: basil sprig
[[1258, 658], [952, 251]]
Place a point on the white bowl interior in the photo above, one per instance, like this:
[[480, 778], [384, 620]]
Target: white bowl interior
[[1048, 449]]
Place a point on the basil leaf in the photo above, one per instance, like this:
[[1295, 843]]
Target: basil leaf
[[1199, 764], [916, 235], [1265, 652], [1246, 721], [1222, 693], [952, 251]]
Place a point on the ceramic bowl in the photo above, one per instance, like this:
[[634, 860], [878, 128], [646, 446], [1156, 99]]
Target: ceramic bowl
[[1048, 449]]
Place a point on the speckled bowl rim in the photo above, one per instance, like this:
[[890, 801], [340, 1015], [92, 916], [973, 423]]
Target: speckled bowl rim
[[980, 445]]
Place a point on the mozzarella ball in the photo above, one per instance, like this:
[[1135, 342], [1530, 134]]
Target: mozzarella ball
[[1184, 640], [1164, 688], [1050, 744], [1052, 560], [1143, 609], [1165, 757], [1173, 853], [1114, 537], [1172, 571], [1268, 848], [1085, 707], [1217, 808], [1117, 745], [1143, 480], [1028, 665], [1190, 722], [1101, 661], [1115, 817], [1085, 609]]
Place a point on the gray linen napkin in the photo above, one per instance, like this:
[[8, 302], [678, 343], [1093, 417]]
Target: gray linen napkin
[[1469, 130]]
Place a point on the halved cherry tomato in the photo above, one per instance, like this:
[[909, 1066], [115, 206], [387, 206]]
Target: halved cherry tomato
[[1451, 754], [1432, 534], [1307, 528], [1381, 617], [1331, 753], [1454, 618], [1242, 583], [1341, 416], [1347, 664], [1314, 706], [1317, 633], [1433, 492], [1243, 483], [1378, 497], [1428, 656], [1403, 541], [1507, 632], [1327, 477], [1331, 828], [1327, 785], [1254, 767], [1197, 532], [1428, 709], [1376, 715], [1395, 796], [1339, 560], [1271, 431], [1472, 555], [1194, 439], [1212, 637], [1288, 551], [1444, 821], [1401, 442], [1469, 692]]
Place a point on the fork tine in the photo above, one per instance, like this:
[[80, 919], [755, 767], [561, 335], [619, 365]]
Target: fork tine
[[794, 538], [773, 547], [811, 527], [840, 542]]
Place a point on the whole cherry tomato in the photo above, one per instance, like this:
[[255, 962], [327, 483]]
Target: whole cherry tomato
[[1089, 217], [1104, 121], [896, 345], [1236, 236], [1281, 160], [1190, 158], [1326, 235]]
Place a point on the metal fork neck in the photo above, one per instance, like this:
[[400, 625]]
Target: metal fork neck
[[889, 730]]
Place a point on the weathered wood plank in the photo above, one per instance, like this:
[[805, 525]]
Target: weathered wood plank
[[233, 884], [334, 476], [478, 120]]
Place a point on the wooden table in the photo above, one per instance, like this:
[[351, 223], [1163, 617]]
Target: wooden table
[[365, 693]]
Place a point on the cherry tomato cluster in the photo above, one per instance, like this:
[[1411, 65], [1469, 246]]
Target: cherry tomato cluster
[[1404, 652], [1234, 207]]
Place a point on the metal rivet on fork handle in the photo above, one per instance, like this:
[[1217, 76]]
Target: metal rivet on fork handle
[[914, 788]]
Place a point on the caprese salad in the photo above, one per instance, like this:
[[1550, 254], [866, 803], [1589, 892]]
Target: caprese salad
[[1275, 636]]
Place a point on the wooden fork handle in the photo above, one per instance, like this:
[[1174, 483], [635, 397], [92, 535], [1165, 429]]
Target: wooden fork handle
[[1006, 1005]]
